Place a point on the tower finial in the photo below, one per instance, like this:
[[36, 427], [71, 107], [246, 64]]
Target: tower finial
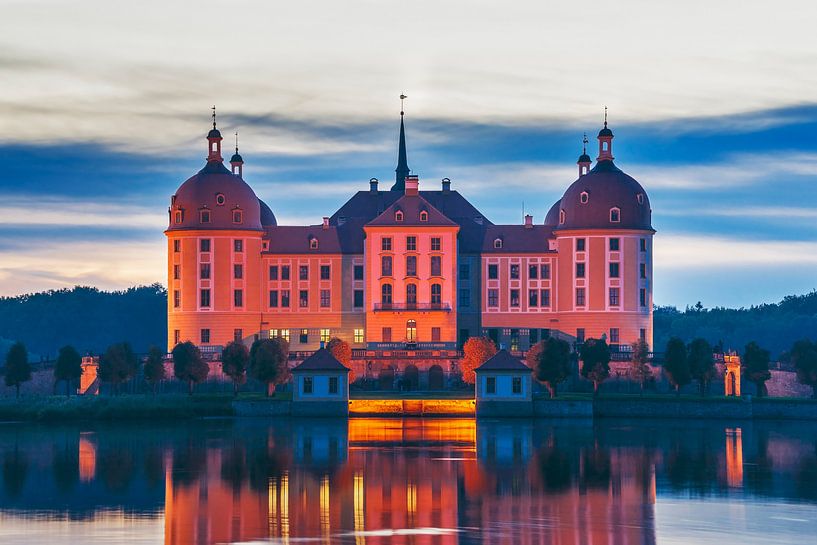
[[402, 169], [584, 144], [236, 141], [214, 116], [605, 116], [402, 98]]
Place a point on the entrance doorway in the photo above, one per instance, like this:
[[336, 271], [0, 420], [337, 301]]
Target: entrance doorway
[[411, 378], [385, 380], [435, 378]]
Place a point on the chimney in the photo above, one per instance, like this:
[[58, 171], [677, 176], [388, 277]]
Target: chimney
[[325, 222], [412, 185], [446, 185], [528, 221], [373, 186]]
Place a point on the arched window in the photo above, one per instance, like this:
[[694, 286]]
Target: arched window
[[436, 294], [178, 216], [398, 216], [423, 216], [411, 331], [385, 294], [220, 199], [313, 243], [640, 198], [615, 215], [497, 243], [561, 216], [584, 196], [238, 216], [411, 294]]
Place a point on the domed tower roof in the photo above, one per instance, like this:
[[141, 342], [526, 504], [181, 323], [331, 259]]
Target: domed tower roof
[[552, 217], [267, 217]]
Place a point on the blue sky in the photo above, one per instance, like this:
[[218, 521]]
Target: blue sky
[[105, 108]]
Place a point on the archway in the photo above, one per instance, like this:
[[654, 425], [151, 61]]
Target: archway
[[411, 378], [436, 379], [385, 379]]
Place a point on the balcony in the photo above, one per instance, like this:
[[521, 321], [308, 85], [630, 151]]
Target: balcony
[[398, 307]]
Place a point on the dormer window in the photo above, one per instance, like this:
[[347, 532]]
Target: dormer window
[[497, 243], [561, 217], [204, 216], [584, 197], [423, 216], [238, 216], [220, 199], [615, 215], [640, 198], [398, 216], [313, 243], [177, 216]]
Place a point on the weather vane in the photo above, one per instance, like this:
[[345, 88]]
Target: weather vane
[[402, 98], [214, 116], [236, 141], [605, 116], [584, 142]]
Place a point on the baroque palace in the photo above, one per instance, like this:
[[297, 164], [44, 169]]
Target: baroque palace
[[407, 274]]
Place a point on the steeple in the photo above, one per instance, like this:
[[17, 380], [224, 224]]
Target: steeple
[[214, 142], [584, 159], [236, 161], [402, 169], [605, 141]]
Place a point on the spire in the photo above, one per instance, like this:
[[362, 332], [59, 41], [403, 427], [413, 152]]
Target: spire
[[584, 159], [214, 142], [236, 161], [402, 169]]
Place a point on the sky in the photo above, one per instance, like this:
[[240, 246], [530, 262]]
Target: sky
[[105, 105]]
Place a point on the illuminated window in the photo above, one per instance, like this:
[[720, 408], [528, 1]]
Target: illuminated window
[[423, 216], [204, 216], [615, 215], [220, 199], [325, 299], [178, 216], [411, 331], [411, 244], [579, 297], [359, 335], [584, 196], [238, 216], [325, 335], [279, 334], [497, 243], [238, 298], [385, 294], [313, 243], [614, 297], [205, 336], [385, 244], [436, 294]]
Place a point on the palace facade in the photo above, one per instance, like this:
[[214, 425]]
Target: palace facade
[[409, 268]]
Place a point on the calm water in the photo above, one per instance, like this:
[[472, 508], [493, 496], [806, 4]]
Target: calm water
[[410, 481]]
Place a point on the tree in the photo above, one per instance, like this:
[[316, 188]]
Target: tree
[[68, 367], [342, 352], [550, 361], [804, 357], [595, 356], [640, 369], [476, 351], [269, 362], [676, 365], [117, 365], [234, 361], [701, 363], [18, 370], [154, 369], [188, 365], [755, 366]]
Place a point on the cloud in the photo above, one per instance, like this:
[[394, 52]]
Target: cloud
[[722, 252]]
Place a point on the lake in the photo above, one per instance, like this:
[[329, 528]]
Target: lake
[[412, 481]]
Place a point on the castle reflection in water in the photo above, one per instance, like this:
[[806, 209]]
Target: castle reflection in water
[[417, 481]]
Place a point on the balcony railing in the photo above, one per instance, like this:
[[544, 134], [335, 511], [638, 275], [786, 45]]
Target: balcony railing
[[445, 307]]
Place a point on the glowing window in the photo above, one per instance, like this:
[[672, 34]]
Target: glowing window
[[325, 335], [584, 197], [411, 330], [615, 215], [359, 335], [220, 199]]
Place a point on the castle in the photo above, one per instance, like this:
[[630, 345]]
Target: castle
[[406, 275]]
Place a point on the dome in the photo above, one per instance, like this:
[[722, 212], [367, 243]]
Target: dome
[[584, 158], [214, 133], [267, 217], [236, 158], [605, 131], [589, 203], [552, 217], [215, 189]]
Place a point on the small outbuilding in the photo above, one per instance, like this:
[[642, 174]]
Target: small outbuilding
[[504, 386], [320, 386]]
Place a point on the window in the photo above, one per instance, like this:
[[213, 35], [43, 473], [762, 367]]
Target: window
[[273, 298], [436, 244], [497, 243], [177, 271], [358, 272], [177, 298], [493, 298], [493, 272], [642, 270], [238, 216], [411, 244], [385, 265], [490, 385], [238, 271], [615, 215], [642, 334], [325, 299], [411, 265], [204, 271], [220, 199], [544, 297], [579, 297], [465, 272], [359, 335], [533, 298], [398, 216], [313, 243], [204, 245], [238, 298], [177, 216], [435, 334], [642, 297], [423, 216], [436, 265], [238, 334], [579, 270], [580, 335], [238, 245], [385, 294], [205, 336], [177, 246], [326, 334], [614, 270], [279, 334], [285, 299], [514, 298], [303, 337], [514, 272], [284, 272], [580, 244], [303, 298], [204, 298], [177, 336], [411, 330], [584, 196], [385, 244], [273, 272], [325, 272], [544, 271], [533, 272], [640, 198], [333, 385], [358, 299], [204, 216], [614, 244], [411, 294], [386, 334], [614, 297], [643, 244], [614, 335], [436, 294], [561, 216], [303, 272], [307, 385], [465, 297], [516, 385]]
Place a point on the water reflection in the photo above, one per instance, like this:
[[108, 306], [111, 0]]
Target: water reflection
[[373, 481]]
